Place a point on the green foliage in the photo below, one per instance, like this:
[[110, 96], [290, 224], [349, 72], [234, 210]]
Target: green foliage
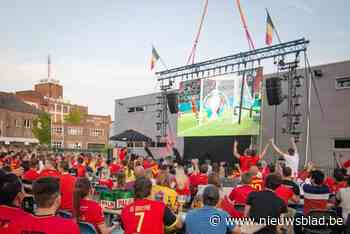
[[74, 117], [42, 128]]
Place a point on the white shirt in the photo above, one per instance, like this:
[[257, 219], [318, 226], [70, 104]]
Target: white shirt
[[293, 163], [344, 196]]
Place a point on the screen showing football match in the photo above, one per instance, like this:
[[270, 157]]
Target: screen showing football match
[[227, 105]]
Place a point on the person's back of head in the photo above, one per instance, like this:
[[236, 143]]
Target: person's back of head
[[203, 168], [80, 160], [254, 170], [46, 192], [273, 181], [211, 195], [121, 179], [10, 189], [34, 164], [139, 171], [142, 188], [317, 177], [246, 178], [338, 174], [291, 151], [64, 166], [81, 190], [216, 167], [214, 179], [286, 172], [50, 164]]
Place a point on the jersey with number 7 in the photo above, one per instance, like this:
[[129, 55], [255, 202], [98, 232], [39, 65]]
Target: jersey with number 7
[[146, 216]]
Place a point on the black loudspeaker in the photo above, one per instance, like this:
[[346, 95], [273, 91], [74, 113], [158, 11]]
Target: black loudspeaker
[[172, 103], [274, 91]]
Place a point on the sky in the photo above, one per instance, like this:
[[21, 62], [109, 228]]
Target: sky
[[100, 49]]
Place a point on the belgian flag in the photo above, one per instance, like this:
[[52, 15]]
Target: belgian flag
[[154, 58], [269, 29]]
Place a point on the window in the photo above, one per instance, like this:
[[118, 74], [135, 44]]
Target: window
[[76, 145], [58, 130], [342, 83], [96, 132], [26, 123], [140, 108], [131, 109], [17, 123], [65, 109], [158, 126], [57, 144], [75, 131], [342, 143], [136, 109]]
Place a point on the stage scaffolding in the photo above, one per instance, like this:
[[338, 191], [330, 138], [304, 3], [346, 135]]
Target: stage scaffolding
[[240, 62]]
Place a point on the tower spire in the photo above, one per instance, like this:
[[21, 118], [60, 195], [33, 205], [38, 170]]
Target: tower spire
[[49, 67]]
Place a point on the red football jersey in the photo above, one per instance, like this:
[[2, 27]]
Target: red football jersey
[[106, 182], [198, 179], [285, 193], [14, 220], [81, 171], [50, 224], [241, 193], [346, 164], [144, 217], [67, 183], [246, 161], [257, 183], [114, 168], [49, 172], [30, 175], [91, 212]]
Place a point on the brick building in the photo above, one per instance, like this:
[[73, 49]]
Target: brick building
[[16, 120], [91, 132]]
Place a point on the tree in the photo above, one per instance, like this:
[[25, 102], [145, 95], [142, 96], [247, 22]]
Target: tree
[[42, 128], [74, 117]]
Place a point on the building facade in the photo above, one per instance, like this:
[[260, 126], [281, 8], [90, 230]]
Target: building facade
[[90, 132], [16, 120], [329, 131]]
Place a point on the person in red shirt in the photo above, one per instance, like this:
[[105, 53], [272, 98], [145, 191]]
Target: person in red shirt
[[257, 183], [288, 190], [12, 218], [81, 170], [49, 170], [338, 182], [200, 178], [32, 174], [240, 193], [115, 167], [67, 183], [249, 157], [87, 210], [47, 197], [145, 216], [122, 153]]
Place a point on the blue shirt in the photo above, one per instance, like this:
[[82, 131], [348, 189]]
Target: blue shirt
[[207, 220]]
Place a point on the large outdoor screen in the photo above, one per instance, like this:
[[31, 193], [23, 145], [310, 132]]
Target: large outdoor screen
[[227, 105]]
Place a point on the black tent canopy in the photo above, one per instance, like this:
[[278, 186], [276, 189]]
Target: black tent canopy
[[131, 136]]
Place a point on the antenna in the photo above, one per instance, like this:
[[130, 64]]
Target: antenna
[[48, 66]]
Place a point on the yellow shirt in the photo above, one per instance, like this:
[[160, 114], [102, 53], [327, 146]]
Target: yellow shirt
[[165, 194], [130, 177]]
